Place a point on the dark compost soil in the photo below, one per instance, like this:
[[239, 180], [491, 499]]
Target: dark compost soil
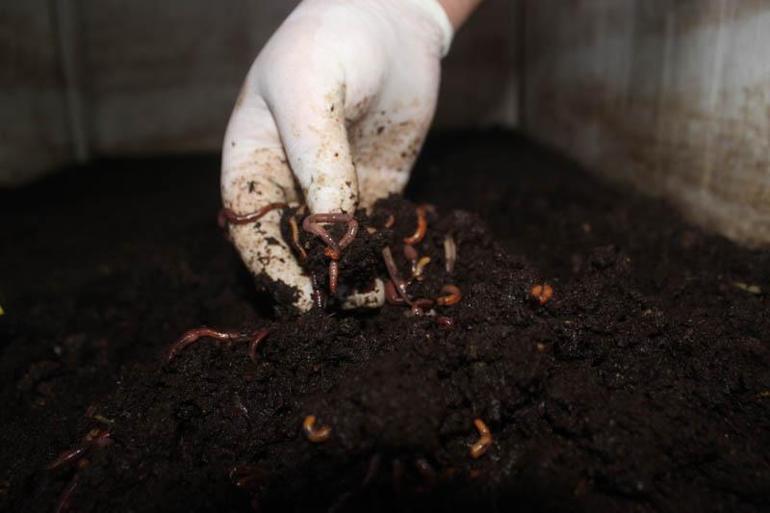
[[642, 385]]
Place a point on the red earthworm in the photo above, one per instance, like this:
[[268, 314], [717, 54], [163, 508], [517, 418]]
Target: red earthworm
[[410, 253], [334, 276], [318, 298], [452, 295], [312, 225], [228, 216], [422, 227], [258, 337], [450, 253], [391, 295], [94, 438], [68, 456], [313, 433], [63, 504], [395, 276], [192, 336], [479, 448], [542, 293], [350, 233]]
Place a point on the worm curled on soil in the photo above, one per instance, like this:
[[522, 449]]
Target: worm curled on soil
[[450, 253], [451, 295], [395, 276], [481, 446], [228, 216], [410, 253], [313, 433], [63, 504], [542, 293], [94, 438], [295, 238], [422, 227], [192, 336]]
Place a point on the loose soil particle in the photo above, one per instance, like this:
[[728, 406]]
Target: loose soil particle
[[643, 384]]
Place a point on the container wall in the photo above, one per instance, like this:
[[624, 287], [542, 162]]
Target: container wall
[[35, 132], [672, 96], [109, 77]]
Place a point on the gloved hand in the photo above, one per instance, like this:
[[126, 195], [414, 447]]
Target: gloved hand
[[337, 103]]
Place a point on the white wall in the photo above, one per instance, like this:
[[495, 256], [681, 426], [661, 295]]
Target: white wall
[[113, 77], [34, 128], [670, 95]]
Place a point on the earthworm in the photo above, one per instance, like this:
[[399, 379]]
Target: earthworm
[[240, 407], [419, 267], [63, 504], [422, 227], [450, 253], [391, 295], [410, 253], [258, 337], [395, 276], [452, 295], [68, 456], [350, 233], [312, 225], [192, 336], [334, 276], [95, 438], [479, 448], [419, 306], [318, 298], [445, 322], [541, 293], [295, 238], [228, 216], [372, 469], [315, 435]]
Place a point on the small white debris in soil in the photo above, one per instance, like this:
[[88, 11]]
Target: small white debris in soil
[[751, 289]]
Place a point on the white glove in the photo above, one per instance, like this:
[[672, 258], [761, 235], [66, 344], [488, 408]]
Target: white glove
[[338, 102]]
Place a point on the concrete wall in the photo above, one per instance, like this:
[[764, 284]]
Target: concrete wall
[[670, 95], [34, 131], [112, 77]]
